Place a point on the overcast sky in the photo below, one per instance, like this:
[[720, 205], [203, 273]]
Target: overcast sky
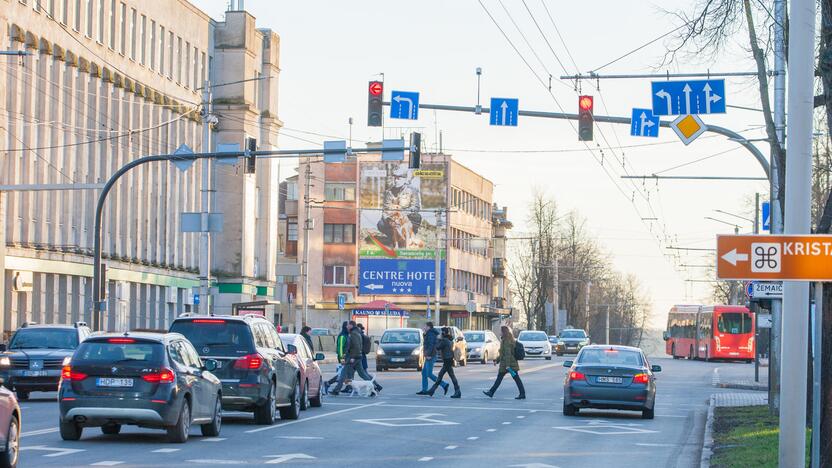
[[331, 49]]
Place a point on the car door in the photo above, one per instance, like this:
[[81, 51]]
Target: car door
[[286, 370], [312, 374], [204, 389], [184, 376]]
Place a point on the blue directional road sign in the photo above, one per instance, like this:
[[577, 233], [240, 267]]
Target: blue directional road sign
[[688, 97], [504, 112], [766, 216], [330, 156], [644, 123], [390, 276], [196, 299], [342, 301], [404, 105]]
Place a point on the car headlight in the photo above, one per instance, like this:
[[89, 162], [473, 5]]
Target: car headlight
[[416, 351], [585, 342], [477, 350], [5, 361], [66, 362], [379, 352]]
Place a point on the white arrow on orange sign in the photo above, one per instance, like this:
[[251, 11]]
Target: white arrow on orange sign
[[733, 257]]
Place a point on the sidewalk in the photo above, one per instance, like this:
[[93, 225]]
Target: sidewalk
[[740, 377], [725, 400]]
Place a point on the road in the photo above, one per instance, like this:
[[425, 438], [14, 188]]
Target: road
[[402, 429]]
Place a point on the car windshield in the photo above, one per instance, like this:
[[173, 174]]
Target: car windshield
[[410, 337], [610, 357], [573, 334], [216, 337], [734, 323], [99, 352], [475, 337], [532, 336], [553, 339], [57, 338]]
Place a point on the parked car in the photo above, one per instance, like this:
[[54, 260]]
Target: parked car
[[571, 340], [10, 424], [610, 377], [154, 380], [33, 359], [256, 370], [311, 378], [400, 348], [483, 345], [535, 343], [460, 346]]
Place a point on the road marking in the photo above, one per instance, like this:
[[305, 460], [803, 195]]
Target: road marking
[[57, 452], [473, 438], [166, 450], [107, 463], [48, 430], [520, 417], [607, 429], [276, 459], [484, 408], [210, 461], [214, 439], [451, 447], [300, 437], [424, 459], [418, 420], [656, 445], [506, 423], [297, 421], [491, 430]]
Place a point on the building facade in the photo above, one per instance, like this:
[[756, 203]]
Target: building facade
[[105, 82]]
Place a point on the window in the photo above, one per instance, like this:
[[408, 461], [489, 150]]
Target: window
[[339, 233], [178, 59], [170, 54], [112, 40], [339, 192], [89, 18], [152, 44], [203, 69], [77, 26], [292, 231], [143, 39], [162, 50], [187, 64], [335, 275], [65, 13], [291, 190], [101, 22], [133, 26], [123, 24], [195, 64], [734, 323]]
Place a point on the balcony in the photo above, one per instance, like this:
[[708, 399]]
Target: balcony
[[498, 267]]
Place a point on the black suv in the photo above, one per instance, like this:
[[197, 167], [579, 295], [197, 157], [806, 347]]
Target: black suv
[[154, 380], [256, 371], [33, 359]]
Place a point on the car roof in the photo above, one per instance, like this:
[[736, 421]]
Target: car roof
[[231, 318], [160, 337], [57, 326], [615, 347], [403, 329]]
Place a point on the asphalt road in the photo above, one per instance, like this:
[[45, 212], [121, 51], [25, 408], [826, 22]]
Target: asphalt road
[[402, 429]]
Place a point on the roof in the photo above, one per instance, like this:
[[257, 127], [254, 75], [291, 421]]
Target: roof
[[140, 335], [615, 347], [51, 325], [403, 329]]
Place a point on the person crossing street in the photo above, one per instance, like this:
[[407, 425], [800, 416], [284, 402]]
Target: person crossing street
[[446, 347], [429, 352], [508, 364], [352, 365]]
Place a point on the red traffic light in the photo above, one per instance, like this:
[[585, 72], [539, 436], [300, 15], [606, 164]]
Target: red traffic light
[[585, 103], [376, 88]]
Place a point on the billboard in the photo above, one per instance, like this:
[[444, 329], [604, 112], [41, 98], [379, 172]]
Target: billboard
[[389, 276]]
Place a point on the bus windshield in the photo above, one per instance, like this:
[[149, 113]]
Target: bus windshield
[[734, 323]]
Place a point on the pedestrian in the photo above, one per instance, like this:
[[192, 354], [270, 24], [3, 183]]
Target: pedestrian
[[353, 360], [366, 345], [340, 353], [304, 332], [446, 347], [429, 353], [508, 364]]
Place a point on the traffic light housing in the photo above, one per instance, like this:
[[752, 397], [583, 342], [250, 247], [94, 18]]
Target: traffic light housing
[[375, 95], [585, 119], [251, 155], [415, 150]]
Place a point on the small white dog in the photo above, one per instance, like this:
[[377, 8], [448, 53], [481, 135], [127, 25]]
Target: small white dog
[[364, 388]]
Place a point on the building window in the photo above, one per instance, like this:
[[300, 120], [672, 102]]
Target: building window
[[170, 54], [143, 39], [339, 191], [335, 275], [291, 190], [292, 231], [101, 22], [123, 24], [203, 69], [256, 84], [339, 233], [162, 50], [187, 64], [112, 41], [178, 59], [77, 25], [133, 26], [197, 84], [89, 18], [152, 45], [65, 13]]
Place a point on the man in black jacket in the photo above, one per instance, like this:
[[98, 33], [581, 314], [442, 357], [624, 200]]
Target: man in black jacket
[[353, 359], [431, 338], [446, 347]]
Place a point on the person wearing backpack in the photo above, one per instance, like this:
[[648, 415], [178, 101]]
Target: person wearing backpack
[[353, 360], [509, 357], [445, 346]]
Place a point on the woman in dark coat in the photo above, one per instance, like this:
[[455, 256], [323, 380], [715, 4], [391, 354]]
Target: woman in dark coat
[[446, 347], [508, 364]]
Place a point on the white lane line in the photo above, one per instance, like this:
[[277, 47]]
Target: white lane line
[[520, 417], [214, 439], [166, 450], [656, 445], [298, 421], [48, 430], [300, 437], [451, 447], [485, 408], [107, 463], [473, 438], [209, 461], [506, 423], [491, 430], [424, 459], [535, 369]]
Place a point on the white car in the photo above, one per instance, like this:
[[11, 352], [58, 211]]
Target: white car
[[483, 345], [536, 343]]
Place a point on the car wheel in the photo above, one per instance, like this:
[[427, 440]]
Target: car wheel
[[569, 410], [292, 411], [22, 395], [70, 430], [379, 369], [304, 397], [647, 413], [549, 358], [315, 402], [559, 354], [484, 358], [267, 412], [673, 352], [178, 433], [212, 429], [8, 459], [111, 429]]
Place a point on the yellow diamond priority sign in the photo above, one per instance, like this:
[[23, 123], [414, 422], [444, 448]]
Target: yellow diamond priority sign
[[688, 127]]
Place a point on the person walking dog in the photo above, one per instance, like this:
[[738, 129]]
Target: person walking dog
[[508, 363], [353, 360], [446, 347]]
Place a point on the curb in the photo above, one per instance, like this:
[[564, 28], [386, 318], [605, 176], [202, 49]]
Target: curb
[[740, 386], [708, 439]]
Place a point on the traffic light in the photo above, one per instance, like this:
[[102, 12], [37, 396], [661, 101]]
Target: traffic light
[[585, 120], [415, 150], [375, 93], [251, 155]]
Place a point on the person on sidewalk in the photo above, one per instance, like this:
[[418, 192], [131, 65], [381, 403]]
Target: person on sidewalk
[[304, 332], [429, 352], [446, 347], [353, 360], [508, 364]]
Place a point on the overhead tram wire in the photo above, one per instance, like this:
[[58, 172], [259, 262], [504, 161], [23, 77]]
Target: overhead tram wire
[[648, 43], [37, 155]]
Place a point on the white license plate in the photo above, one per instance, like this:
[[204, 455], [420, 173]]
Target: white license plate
[[34, 373], [397, 359], [111, 382], [610, 379]]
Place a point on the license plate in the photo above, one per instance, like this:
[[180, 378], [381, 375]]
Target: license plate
[[397, 359], [34, 373], [111, 382], [610, 379]]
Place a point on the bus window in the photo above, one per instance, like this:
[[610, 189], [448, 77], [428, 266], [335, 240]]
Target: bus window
[[734, 323]]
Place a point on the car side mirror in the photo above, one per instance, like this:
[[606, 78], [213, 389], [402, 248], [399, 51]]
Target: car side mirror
[[291, 349], [460, 338], [665, 336], [209, 364], [376, 341], [567, 364], [655, 368], [319, 356]]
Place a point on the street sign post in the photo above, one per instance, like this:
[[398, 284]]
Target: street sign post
[[404, 105], [787, 258], [504, 112], [688, 97], [644, 123]]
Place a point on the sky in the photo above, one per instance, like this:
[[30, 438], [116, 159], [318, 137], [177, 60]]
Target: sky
[[330, 49]]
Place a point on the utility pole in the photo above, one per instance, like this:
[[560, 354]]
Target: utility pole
[[586, 311], [555, 292], [307, 226], [205, 193], [437, 267], [794, 355], [608, 325]]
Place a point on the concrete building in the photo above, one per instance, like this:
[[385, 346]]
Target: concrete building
[[354, 207], [105, 82]]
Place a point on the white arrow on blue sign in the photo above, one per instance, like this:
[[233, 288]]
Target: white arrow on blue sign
[[404, 105], [766, 216], [504, 112], [643, 123], [688, 97]]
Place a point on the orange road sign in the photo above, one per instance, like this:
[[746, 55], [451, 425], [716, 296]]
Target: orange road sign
[[795, 258]]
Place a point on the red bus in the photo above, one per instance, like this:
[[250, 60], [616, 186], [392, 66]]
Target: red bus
[[710, 332]]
